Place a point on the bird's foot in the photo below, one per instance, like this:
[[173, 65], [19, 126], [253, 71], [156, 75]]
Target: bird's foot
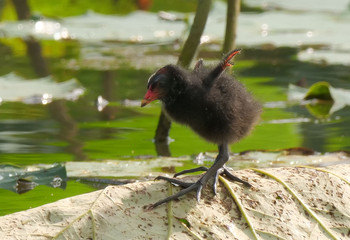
[[188, 186], [222, 171]]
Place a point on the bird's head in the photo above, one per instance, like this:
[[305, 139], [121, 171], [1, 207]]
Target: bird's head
[[158, 86]]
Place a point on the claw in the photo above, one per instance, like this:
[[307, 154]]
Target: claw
[[216, 177], [199, 191]]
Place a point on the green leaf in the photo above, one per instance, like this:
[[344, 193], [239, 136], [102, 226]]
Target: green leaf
[[329, 99], [319, 90], [184, 221], [22, 180]]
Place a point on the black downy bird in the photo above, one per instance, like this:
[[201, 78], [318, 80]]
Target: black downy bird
[[213, 104]]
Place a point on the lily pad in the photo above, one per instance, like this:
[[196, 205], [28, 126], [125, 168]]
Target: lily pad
[[146, 168], [319, 90], [121, 169], [322, 94], [283, 203], [37, 91], [21, 180]]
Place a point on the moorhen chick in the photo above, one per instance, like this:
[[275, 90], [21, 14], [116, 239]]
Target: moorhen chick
[[213, 104]]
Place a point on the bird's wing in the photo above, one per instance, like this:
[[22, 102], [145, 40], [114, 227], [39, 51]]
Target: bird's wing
[[220, 68]]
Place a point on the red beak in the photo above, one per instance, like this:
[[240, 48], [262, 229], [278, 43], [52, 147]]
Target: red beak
[[149, 97]]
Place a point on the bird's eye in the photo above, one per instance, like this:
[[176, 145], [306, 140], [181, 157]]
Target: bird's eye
[[153, 86]]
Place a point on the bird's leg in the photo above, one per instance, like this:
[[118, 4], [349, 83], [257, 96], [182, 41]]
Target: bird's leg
[[224, 150], [214, 171], [202, 168], [220, 160]]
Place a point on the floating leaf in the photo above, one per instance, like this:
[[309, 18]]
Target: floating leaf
[[141, 168], [319, 90], [138, 26], [240, 206], [297, 197], [117, 168], [37, 91], [327, 97], [21, 180], [283, 203]]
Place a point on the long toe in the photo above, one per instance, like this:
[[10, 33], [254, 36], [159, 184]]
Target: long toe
[[234, 178], [174, 181], [197, 185], [198, 169]]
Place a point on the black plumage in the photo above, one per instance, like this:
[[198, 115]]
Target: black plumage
[[212, 103]]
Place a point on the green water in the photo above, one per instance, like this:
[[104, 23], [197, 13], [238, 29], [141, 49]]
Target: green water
[[65, 130]]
